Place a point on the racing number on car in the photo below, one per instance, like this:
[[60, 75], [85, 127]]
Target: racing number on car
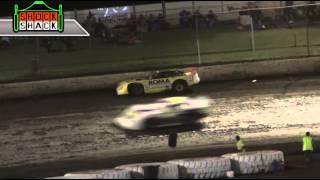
[[159, 83]]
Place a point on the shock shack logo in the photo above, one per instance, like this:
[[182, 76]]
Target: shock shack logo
[[38, 17]]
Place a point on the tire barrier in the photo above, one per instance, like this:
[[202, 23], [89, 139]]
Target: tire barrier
[[100, 174], [72, 177], [256, 161], [57, 177], [227, 165], [152, 170], [202, 168]]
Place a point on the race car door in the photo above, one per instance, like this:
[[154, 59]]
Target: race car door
[[159, 82]]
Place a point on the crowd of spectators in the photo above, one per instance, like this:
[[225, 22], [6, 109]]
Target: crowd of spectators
[[286, 16], [186, 19], [141, 24], [97, 28], [136, 26], [310, 12]]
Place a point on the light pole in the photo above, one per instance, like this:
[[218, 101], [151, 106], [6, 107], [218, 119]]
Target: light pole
[[307, 36], [197, 33], [164, 10], [253, 45]]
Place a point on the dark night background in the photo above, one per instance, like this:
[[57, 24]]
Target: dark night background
[[7, 6]]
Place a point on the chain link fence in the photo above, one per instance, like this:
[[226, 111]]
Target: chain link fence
[[184, 35]]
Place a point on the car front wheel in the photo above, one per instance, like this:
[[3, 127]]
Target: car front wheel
[[136, 89], [180, 86]]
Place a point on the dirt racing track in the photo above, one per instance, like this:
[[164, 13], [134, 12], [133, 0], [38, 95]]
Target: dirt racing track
[[232, 71], [73, 126]]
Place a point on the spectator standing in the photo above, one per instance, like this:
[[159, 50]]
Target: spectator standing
[[99, 29], [190, 19], [311, 12], [132, 24], [288, 12], [161, 23], [157, 22], [132, 29], [150, 23], [211, 19], [107, 33], [256, 17], [200, 19], [141, 23], [89, 26], [183, 19]]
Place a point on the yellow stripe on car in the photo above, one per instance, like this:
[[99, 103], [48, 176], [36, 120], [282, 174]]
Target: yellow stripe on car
[[177, 99]]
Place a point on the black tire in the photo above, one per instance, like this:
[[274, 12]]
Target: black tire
[[180, 86], [172, 140], [150, 123], [136, 89]]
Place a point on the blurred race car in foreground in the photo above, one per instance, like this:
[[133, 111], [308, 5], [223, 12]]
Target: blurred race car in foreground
[[160, 81], [172, 111]]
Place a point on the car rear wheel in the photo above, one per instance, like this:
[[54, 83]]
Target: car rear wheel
[[136, 89], [180, 87]]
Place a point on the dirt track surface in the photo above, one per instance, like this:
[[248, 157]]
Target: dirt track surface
[[77, 126]]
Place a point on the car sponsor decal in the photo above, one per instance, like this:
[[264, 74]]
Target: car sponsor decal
[[159, 81]]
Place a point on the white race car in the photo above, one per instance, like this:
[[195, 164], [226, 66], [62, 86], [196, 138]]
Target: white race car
[[164, 112]]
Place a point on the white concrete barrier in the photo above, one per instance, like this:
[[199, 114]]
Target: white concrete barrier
[[45, 87], [255, 161], [260, 68], [203, 168], [99, 174], [233, 71], [147, 170]]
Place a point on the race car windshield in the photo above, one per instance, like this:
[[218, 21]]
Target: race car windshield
[[161, 74], [162, 101], [155, 75], [172, 105], [145, 110]]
